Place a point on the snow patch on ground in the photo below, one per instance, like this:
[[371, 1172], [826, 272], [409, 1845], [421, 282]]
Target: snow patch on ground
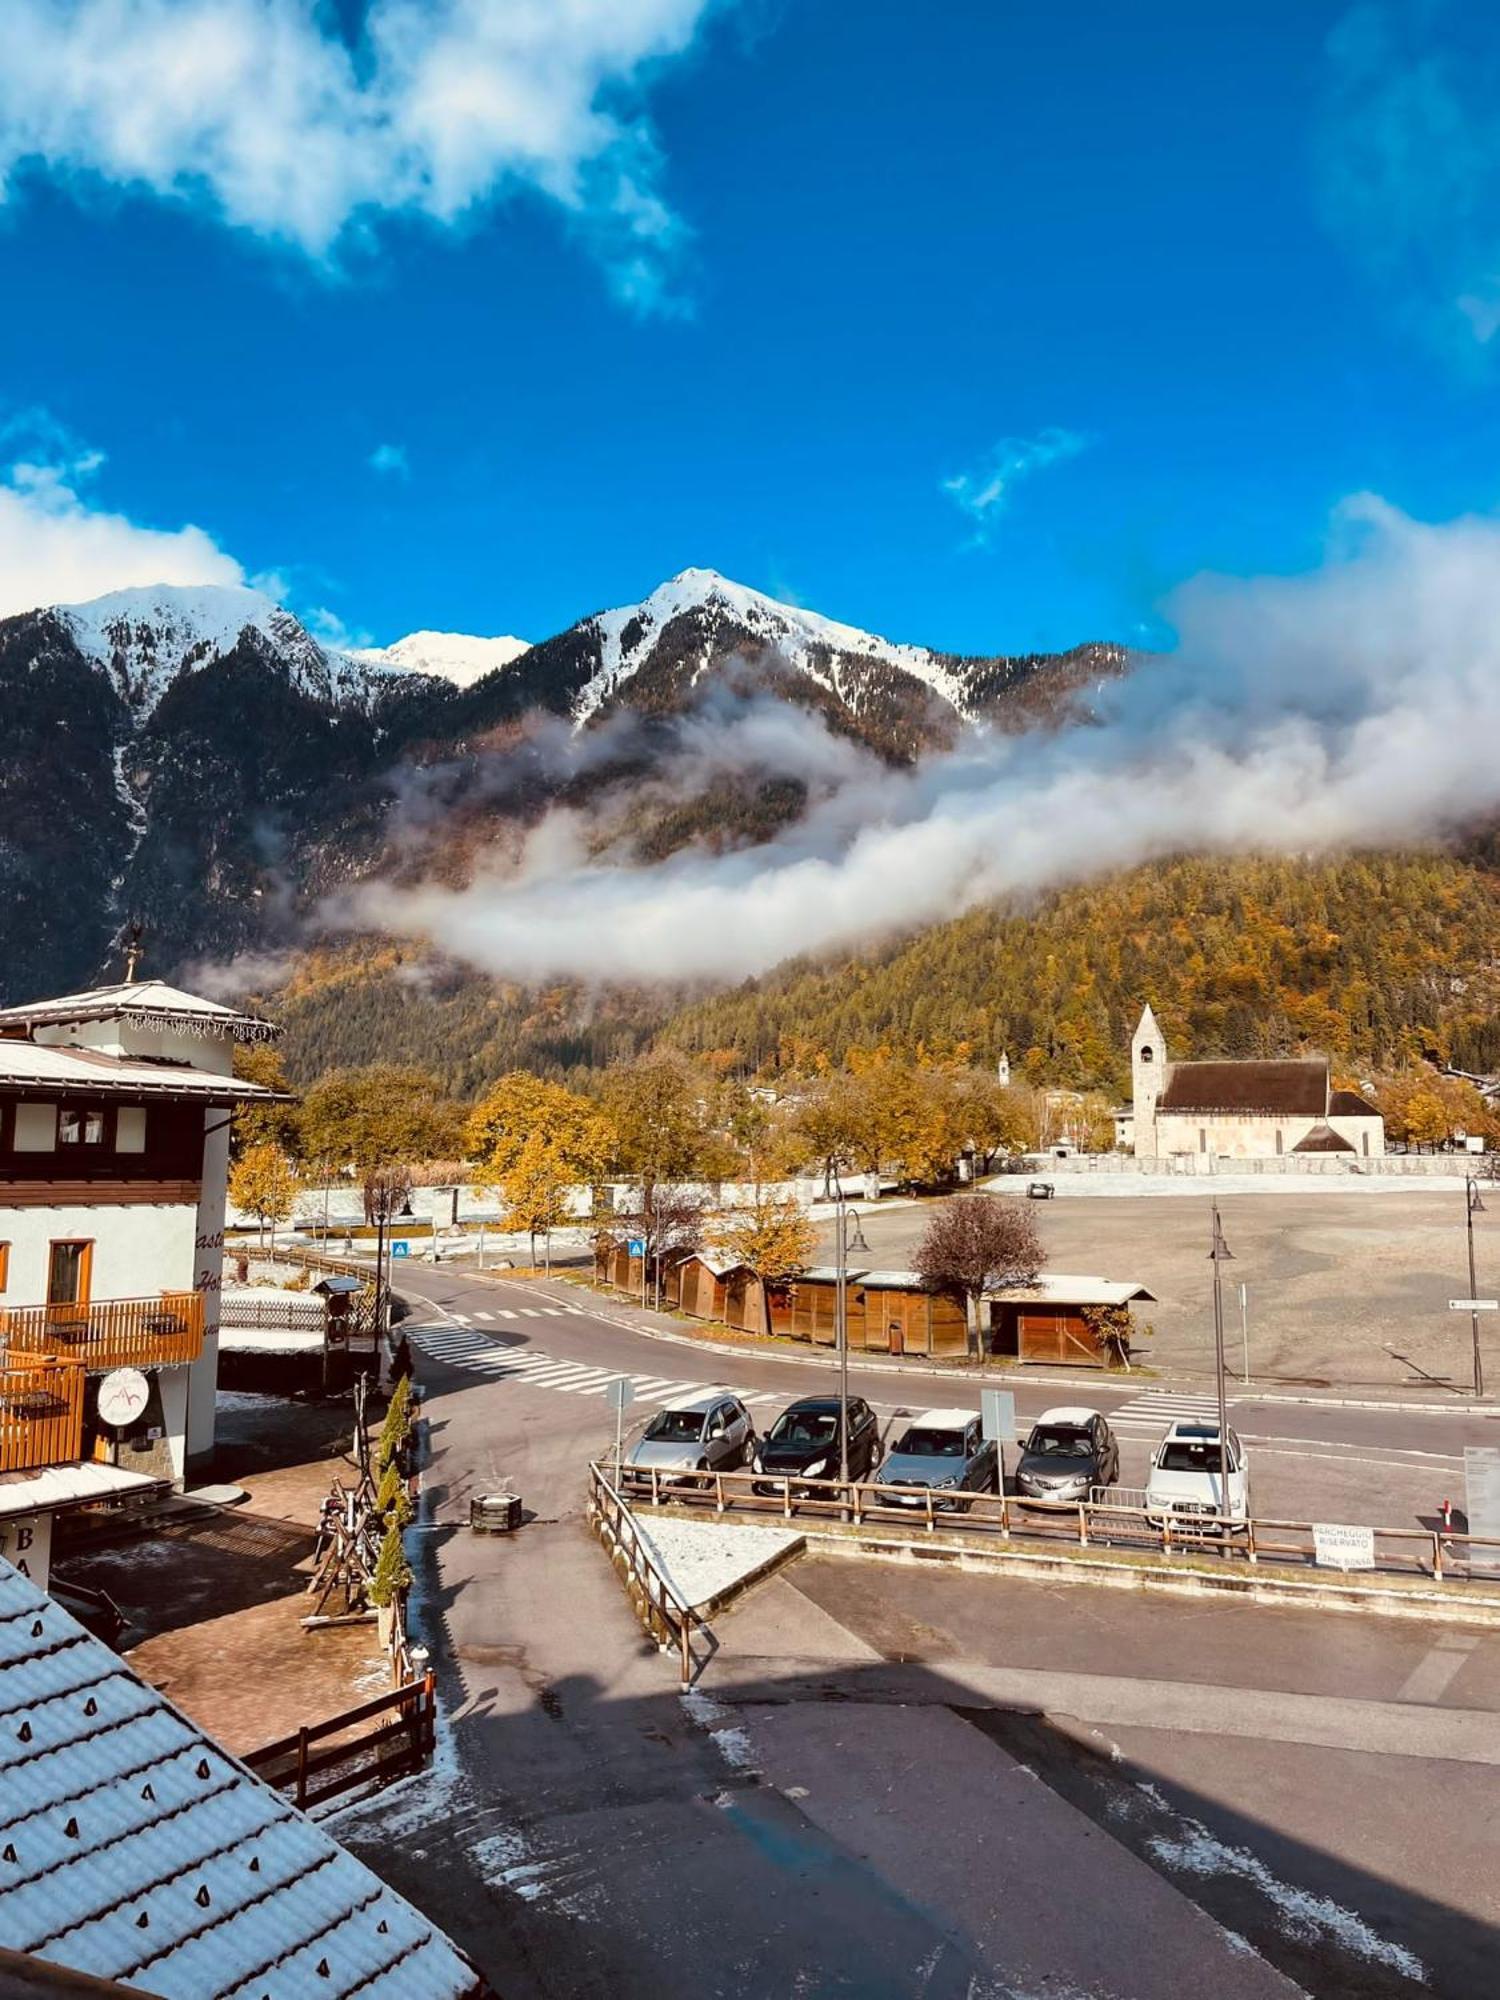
[[1305, 1915], [703, 1560]]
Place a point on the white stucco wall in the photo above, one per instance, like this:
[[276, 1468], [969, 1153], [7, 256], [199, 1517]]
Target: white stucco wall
[[1235, 1136], [138, 1250], [208, 1277], [1365, 1135]]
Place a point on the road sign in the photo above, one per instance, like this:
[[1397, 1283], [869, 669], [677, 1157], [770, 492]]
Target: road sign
[[635, 1247], [1337, 1546], [998, 1408], [400, 1248], [1482, 1490], [1473, 1305], [621, 1394]]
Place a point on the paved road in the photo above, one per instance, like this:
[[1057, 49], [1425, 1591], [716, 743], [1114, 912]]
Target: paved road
[[893, 1784], [1310, 1461]]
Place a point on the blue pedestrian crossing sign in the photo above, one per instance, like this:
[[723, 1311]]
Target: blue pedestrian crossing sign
[[636, 1247], [401, 1248]]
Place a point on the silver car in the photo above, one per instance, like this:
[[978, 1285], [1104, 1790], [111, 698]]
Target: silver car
[[944, 1450], [709, 1433]]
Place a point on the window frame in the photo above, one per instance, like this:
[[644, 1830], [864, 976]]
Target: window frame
[[85, 1269]]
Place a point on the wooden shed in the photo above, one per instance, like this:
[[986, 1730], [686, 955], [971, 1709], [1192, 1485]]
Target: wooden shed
[[889, 1312], [1082, 1322], [720, 1288]]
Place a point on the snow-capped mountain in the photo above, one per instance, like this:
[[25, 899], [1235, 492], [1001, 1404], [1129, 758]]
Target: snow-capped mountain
[[196, 758], [447, 656], [146, 639]]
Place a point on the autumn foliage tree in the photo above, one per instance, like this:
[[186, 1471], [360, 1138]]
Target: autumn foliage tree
[[263, 1183], [976, 1243], [773, 1238]]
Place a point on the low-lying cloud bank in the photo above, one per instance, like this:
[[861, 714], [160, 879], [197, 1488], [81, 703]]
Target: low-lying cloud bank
[[1356, 705]]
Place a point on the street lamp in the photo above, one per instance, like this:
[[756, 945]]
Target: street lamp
[[1221, 1253], [1473, 1206], [843, 1243]]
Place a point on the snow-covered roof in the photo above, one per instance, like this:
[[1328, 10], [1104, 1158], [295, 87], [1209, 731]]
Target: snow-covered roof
[[91, 1073], [150, 1002], [132, 1847], [54, 1486], [1057, 1288]]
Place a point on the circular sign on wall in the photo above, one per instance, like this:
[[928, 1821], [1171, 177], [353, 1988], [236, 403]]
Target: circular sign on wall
[[123, 1395]]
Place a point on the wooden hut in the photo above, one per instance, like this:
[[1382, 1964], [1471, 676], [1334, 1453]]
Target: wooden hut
[[889, 1312], [719, 1288], [1082, 1322]]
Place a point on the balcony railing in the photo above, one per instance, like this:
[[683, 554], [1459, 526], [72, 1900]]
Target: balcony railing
[[41, 1414], [110, 1333]]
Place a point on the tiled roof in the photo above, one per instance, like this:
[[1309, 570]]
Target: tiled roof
[[1349, 1104], [134, 1848], [1266, 1087], [151, 997], [1322, 1139], [93, 1073]]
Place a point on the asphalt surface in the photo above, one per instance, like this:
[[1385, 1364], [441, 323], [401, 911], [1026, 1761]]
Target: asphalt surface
[[894, 1783]]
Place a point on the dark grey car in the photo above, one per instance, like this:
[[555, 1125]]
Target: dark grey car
[[1069, 1451]]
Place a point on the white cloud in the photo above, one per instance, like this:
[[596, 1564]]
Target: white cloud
[[984, 492], [1356, 705], [55, 548], [1408, 154], [390, 458], [260, 110]]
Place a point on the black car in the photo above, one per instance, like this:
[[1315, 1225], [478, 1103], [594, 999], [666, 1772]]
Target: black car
[[805, 1440], [1069, 1452]]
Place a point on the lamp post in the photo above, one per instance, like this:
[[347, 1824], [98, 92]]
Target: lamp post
[[1220, 1252], [1473, 1206], [843, 1243]]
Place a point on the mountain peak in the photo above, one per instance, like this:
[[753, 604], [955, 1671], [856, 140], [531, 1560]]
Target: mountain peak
[[459, 658]]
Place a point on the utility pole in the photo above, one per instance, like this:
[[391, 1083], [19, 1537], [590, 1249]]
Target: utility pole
[[1219, 1252], [1473, 1206], [842, 1244]]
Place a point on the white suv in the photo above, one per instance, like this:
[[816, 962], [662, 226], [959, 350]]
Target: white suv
[[1185, 1482]]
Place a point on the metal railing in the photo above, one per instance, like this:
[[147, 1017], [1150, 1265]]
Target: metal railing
[[1433, 1554], [41, 1413], [110, 1333], [664, 1611]]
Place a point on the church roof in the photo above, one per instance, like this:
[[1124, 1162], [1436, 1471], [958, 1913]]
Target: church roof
[[1349, 1104], [1298, 1088], [1322, 1139]]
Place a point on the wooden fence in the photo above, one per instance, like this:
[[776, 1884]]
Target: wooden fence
[[380, 1740], [110, 1333], [41, 1413], [1429, 1553]]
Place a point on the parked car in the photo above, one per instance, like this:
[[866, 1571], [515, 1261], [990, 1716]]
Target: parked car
[[709, 1433], [805, 1440], [943, 1449], [1185, 1481], [1069, 1451]]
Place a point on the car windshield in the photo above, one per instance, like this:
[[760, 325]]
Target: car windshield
[[920, 1442], [1059, 1441], [675, 1427], [1199, 1455], [804, 1427]]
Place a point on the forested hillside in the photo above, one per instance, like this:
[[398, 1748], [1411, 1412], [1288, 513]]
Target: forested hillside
[[1372, 958]]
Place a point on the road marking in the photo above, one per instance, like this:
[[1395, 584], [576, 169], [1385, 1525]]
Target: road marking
[[483, 1315], [1164, 1405], [1429, 1680], [531, 1312], [506, 1315], [553, 1312]]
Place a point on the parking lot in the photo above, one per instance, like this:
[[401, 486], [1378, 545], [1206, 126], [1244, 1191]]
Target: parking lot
[[1350, 1289]]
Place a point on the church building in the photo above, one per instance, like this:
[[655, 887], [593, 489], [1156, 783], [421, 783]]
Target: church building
[[1187, 1114]]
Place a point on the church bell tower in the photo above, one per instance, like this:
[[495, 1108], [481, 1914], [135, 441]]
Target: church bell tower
[[1148, 1065]]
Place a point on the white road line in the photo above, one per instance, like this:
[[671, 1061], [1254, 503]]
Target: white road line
[[501, 1311], [556, 1375], [552, 1312], [1429, 1680], [531, 1312], [481, 1315]]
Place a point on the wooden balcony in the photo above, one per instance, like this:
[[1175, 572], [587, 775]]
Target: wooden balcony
[[41, 1414], [110, 1333]]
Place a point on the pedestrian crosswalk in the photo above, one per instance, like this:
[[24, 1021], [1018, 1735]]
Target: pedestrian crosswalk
[[461, 1346], [1166, 1406], [521, 1312]]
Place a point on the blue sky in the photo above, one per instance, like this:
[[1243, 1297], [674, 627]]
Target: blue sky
[[978, 325]]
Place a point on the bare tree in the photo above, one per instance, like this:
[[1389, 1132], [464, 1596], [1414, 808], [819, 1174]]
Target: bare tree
[[668, 1219], [974, 1243]]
